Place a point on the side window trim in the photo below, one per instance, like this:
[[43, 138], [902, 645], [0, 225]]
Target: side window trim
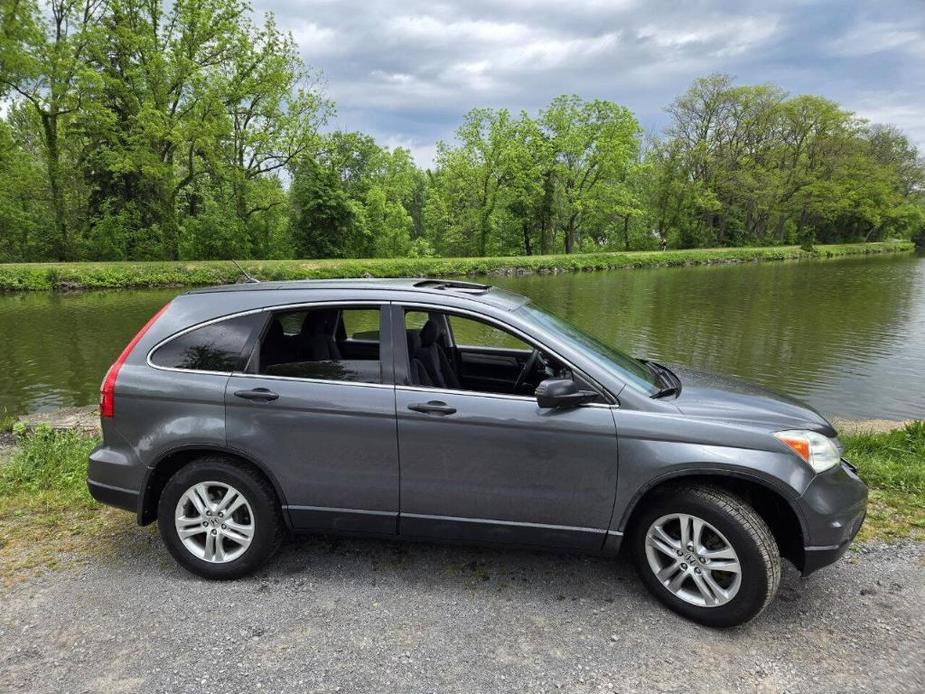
[[149, 361], [383, 306], [609, 398]]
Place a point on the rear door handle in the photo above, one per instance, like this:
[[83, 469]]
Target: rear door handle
[[432, 407], [258, 394]]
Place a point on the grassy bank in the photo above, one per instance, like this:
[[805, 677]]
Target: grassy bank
[[66, 276], [46, 513]]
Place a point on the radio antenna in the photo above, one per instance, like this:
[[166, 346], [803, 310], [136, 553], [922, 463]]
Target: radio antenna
[[247, 278]]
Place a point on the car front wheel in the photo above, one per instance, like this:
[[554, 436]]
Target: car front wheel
[[707, 555], [219, 519]]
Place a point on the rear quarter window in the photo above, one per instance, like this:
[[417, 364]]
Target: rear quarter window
[[214, 347]]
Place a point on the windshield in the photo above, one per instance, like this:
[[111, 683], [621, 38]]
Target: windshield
[[629, 370]]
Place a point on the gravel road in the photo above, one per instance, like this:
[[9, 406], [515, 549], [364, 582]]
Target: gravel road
[[365, 616]]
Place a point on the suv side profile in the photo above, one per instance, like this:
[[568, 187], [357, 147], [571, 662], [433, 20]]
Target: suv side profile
[[454, 411]]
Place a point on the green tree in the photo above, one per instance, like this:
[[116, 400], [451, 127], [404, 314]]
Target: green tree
[[325, 222], [45, 65], [476, 172], [23, 209], [595, 144], [273, 116]]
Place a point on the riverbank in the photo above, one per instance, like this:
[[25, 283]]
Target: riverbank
[[116, 275]]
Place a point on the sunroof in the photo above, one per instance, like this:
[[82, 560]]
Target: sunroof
[[467, 287]]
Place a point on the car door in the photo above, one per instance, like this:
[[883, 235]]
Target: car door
[[495, 467], [324, 427]]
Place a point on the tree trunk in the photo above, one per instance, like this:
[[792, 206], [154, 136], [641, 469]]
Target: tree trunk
[[53, 163], [626, 232], [528, 248], [801, 223], [570, 236], [483, 235]]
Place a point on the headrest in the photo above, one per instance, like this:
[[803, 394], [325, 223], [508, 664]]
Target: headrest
[[430, 333], [318, 322]]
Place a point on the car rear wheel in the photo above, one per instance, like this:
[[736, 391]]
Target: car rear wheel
[[707, 555], [219, 518]]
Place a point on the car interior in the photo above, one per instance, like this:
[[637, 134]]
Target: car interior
[[325, 343], [458, 353], [445, 351]]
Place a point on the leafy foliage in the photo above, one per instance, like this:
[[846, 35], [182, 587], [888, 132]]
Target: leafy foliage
[[156, 130]]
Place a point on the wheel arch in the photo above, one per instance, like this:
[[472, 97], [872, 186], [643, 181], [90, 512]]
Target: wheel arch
[[782, 517], [170, 462]]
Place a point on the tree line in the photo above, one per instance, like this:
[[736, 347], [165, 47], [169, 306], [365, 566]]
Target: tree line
[[146, 129]]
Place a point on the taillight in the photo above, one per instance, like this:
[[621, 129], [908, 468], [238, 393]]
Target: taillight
[[107, 389]]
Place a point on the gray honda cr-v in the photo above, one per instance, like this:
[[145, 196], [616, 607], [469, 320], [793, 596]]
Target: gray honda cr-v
[[445, 410]]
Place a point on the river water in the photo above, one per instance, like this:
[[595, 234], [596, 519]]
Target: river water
[[847, 336]]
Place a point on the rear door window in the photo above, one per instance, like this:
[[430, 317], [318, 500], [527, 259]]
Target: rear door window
[[218, 346], [325, 343]]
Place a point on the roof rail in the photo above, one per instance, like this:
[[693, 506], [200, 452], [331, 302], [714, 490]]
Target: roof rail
[[467, 287]]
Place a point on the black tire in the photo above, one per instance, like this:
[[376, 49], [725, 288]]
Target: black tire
[[267, 517], [744, 529]]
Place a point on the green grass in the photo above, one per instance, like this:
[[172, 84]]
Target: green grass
[[114, 275], [46, 512], [893, 466], [6, 421]]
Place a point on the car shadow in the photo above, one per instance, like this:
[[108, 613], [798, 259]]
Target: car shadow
[[517, 574]]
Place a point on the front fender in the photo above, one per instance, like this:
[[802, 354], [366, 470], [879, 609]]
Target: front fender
[[653, 450]]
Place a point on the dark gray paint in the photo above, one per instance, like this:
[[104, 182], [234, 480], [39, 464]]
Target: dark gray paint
[[352, 458], [503, 460], [330, 445]]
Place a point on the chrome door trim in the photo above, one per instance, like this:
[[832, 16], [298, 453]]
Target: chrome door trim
[[329, 509], [480, 394], [492, 521]]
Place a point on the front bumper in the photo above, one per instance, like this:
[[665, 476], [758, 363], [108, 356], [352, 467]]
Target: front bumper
[[833, 506]]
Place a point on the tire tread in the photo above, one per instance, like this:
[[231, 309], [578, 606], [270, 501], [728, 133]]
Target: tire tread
[[736, 510], [753, 524]]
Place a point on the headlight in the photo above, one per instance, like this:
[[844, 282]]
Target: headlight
[[818, 450]]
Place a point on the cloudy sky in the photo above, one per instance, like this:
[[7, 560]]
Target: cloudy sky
[[405, 72]]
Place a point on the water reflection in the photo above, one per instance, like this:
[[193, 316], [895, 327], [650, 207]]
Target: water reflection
[[848, 336]]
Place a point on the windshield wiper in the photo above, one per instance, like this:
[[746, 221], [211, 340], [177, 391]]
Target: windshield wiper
[[671, 384], [664, 392]]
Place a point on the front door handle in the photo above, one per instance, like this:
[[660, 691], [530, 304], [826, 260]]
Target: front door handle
[[258, 394], [432, 407]]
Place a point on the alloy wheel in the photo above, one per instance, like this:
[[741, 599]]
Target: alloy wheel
[[693, 560], [215, 522]]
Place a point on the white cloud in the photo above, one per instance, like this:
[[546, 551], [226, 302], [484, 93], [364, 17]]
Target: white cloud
[[315, 40], [897, 109], [407, 72], [869, 38], [431, 30], [721, 38], [422, 152]]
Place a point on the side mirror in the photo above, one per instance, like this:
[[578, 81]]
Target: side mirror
[[562, 392]]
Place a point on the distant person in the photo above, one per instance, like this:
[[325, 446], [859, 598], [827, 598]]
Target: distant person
[[663, 245]]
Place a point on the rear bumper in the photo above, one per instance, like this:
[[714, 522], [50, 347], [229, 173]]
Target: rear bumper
[[114, 478], [113, 496], [833, 506]]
